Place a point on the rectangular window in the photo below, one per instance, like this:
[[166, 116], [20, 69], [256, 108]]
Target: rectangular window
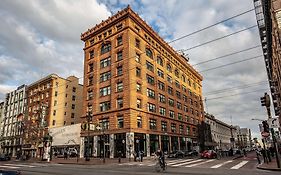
[[161, 85], [56, 93], [139, 103], [138, 87], [179, 105], [137, 43], [150, 93], [152, 124], [105, 48], [151, 107], [169, 79], [162, 111], [54, 122], [90, 95], [149, 66], [139, 121], [173, 127], [181, 129], [184, 88], [137, 57], [119, 87], [171, 102], [119, 41], [105, 76], [150, 79], [160, 73], [119, 70], [120, 121], [184, 97], [72, 115], [119, 103], [177, 84], [172, 114], [138, 72], [185, 109], [170, 90], [90, 80], [187, 130], [105, 91], [163, 126], [73, 106], [105, 106], [178, 94], [73, 97], [55, 103], [54, 112], [119, 56], [179, 116], [162, 98], [104, 123], [91, 54], [91, 67], [105, 62]]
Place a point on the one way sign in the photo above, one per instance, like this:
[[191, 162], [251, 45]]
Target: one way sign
[[273, 123]]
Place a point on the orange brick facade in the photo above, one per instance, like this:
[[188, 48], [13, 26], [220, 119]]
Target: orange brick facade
[[146, 97]]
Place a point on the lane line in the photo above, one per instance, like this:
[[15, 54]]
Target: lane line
[[221, 164], [239, 165], [20, 165], [200, 163], [11, 167], [198, 160]]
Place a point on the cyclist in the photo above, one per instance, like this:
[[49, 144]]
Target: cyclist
[[161, 157]]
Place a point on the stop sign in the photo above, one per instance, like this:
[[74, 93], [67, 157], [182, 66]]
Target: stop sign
[[265, 134]]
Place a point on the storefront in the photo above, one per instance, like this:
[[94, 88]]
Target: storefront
[[175, 143], [154, 143], [120, 145], [140, 143], [165, 146]]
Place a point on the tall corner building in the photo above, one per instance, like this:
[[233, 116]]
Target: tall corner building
[[53, 101], [142, 93]]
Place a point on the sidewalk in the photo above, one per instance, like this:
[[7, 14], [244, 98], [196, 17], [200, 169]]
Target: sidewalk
[[270, 166]]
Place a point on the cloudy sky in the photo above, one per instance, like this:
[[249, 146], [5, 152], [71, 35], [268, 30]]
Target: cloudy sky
[[39, 37]]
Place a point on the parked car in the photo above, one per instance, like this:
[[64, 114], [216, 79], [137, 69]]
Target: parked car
[[5, 157], [72, 152], [209, 154], [191, 153], [10, 172], [176, 154]]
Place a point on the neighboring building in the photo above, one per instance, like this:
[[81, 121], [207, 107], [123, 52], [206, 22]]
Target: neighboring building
[[2, 107], [52, 102], [268, 13], [222, 133], [143, 93], [244, 138], [15, 104]]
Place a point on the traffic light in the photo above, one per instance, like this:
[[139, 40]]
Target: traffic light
[[265, 126], [265, 100]]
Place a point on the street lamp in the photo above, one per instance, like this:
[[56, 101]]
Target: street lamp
[[89, 118]]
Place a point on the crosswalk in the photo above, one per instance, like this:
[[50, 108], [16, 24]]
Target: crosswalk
[[20, 166], [202, 163]]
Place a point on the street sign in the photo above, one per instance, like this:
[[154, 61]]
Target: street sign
[[273, 122], [92, 127], [264, 134]]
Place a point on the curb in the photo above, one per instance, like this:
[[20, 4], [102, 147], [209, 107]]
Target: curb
[[271, 169]]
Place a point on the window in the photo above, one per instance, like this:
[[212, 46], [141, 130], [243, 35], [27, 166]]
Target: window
[[105, 106], [91, 67], [137, 43], [119, 56], [73, 106], [178, 94], [104, 123], [194, 86], [72, 115], [105, 76], [152, 124], [172, 114], [184, 97], [173, 127], [160, 73], [54, 112], [119, 103], [138, 72], [119, 41], [56, 93], [137, 57], [189, 82], [177, 73], [177, 84], [119, 87], [138, 87], [149, 53], [170, 90], [54, 122], [179, 105], [162, 111], [159, 61], [90, 80], [92, 54], [188, 130], [55, 103], [119, 26], [171, 102], [139, 121], [119, 70], [180, 116], [161, 85], [169, 79], [184, 88], [150, 79], [105, 48], [162, 98], [169, 68], [185, 109], [72, 123], [181, 129], [150, 93], [73, 97], [105, 62], [151, 107], [139, 103], [90, 95], [186, 118], [105, 91], [149, 66], [120, 121], [183, 78], [163, 126]]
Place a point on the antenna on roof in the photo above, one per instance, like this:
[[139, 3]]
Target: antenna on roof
[[184, 55]]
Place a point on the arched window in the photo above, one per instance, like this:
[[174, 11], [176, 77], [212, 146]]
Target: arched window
[[106, 47], [149, 53], [160, 61], [177, 73], [169, 68]]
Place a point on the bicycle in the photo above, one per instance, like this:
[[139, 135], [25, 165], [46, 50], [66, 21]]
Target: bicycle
[[159, 165]]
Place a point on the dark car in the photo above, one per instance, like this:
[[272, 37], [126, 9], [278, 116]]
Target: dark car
[[9, 172], [191, 153], [176, 154], [5, 157], [209, 154]]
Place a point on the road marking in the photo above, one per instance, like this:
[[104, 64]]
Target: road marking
[[200, 163], [239, 165], [221, 164], [177, 160], [11, 167], [20, 165], [198, 160], [171, 163]]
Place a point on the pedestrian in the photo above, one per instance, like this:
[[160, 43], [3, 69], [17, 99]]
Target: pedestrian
[[244, 152], [258, 154], [141, 155], [65, 155], [271, 149]]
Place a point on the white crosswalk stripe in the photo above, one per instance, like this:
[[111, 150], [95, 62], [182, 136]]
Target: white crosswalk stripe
[[18, 166], [200, 163], [188, 162], [175, 162], [239, 165], [221, 164]]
